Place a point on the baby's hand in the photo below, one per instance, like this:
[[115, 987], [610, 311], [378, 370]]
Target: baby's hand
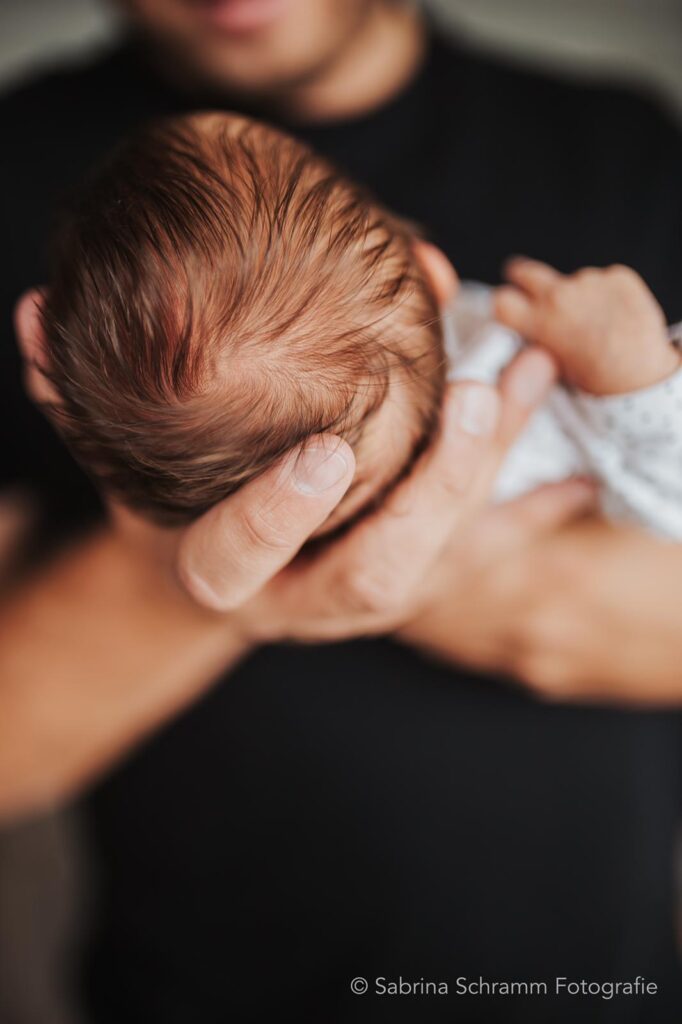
[[605, 327]]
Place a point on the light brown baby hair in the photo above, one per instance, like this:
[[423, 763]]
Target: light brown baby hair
[[220, 293]]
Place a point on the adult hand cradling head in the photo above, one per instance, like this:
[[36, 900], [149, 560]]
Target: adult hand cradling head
[[379, 574]]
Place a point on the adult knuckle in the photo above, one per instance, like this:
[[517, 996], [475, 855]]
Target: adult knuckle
[[542, 658], [558, 294], [525, 667], [261, 532], [364, 596], [455, 482], [373, 593], [543, 628], [620, 272], [545, 678], [626, 282], [527, 644]]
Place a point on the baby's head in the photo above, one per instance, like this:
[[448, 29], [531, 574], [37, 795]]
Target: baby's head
[[220, 294]]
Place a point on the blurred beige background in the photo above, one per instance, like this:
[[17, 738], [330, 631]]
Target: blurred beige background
[[639, 39]]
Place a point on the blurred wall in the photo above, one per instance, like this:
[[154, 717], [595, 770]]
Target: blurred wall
[[634, 38]]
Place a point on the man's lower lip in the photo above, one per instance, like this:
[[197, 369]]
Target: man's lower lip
[[240, 16]]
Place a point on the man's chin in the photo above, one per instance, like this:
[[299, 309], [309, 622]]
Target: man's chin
[[216, 69], [241, 19], [260, 48]]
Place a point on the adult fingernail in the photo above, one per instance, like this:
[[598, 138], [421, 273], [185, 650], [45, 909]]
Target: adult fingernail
[[532, 378], [475, 409], [317, 469]]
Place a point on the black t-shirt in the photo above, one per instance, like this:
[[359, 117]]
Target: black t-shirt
[[354, 810]]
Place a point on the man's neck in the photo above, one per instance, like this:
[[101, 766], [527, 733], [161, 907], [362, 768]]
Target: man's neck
[[379, 61]]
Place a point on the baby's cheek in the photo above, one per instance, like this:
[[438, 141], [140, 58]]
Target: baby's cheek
[[385, 451], [376, 475]]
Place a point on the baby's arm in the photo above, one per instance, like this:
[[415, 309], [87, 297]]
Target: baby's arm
[[609, 335]]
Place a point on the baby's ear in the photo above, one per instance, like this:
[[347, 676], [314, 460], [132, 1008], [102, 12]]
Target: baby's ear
[[28, 325], [439, 272]]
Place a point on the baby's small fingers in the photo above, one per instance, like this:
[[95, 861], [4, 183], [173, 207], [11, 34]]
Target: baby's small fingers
[[532, 276], [514, 309]]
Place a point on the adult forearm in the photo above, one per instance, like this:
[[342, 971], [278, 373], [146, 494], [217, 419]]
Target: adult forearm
[[95, 652]]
